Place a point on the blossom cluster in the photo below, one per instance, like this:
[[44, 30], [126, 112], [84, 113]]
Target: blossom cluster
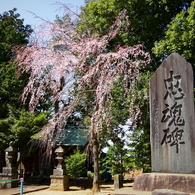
[[81, 60]]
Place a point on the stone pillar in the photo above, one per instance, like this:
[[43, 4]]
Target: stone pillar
[[10, 171], [59, 179], [118, 181], [172, 132], [172, 117]]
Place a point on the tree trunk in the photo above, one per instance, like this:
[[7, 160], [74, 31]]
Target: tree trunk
[[96, 180]]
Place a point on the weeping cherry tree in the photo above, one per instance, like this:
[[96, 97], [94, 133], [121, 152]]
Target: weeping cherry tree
[[82, 61]]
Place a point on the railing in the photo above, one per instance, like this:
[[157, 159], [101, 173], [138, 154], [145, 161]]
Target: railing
[[21, 183]]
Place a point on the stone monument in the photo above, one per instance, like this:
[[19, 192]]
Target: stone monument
[[10, 171], [59, 181], [172, 128]]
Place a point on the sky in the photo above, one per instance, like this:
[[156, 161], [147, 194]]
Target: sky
[[46, 9]]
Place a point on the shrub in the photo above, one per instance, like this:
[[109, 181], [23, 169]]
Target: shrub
[[75, 164]]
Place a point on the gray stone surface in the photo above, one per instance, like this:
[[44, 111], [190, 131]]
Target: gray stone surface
[[118, 181], [172, 117], [58, 172], [10, 174], [168, 192], [8, 184], [152, 181], [9, 170], [59, 183]]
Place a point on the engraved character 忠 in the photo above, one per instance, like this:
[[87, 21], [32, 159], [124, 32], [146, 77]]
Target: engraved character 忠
[[172, 85]]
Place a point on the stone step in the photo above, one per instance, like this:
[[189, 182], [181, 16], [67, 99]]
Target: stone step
[[168, 192]]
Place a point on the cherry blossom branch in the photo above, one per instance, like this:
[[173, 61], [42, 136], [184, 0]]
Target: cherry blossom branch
[[84, 61]]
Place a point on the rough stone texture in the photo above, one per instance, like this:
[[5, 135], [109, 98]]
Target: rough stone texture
[[8, 174], [59, 183], [118, 181], [9, 170], [168, 192], [152, 181], [8, 184], [172, 117], [58, 172]]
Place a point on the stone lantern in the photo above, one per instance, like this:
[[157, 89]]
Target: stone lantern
[[11, 155], [10, 171], [59, 180], [60, 156]]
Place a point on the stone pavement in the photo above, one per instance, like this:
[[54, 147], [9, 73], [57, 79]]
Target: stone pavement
[[27, 189], [44, 190], [130, 191]]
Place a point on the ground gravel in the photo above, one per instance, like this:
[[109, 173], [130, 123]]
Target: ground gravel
[[105, 190]]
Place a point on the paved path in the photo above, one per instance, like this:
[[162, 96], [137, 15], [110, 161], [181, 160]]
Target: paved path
[[130, 191], [27, 189], [44, 190]]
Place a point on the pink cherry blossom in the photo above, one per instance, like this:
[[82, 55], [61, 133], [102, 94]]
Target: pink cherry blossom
[[84, 54]]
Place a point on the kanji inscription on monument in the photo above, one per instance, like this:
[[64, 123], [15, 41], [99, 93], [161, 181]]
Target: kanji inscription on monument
[[172, 113], [172, 117]]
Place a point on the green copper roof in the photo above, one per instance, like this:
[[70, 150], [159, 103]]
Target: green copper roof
[[74, 135]]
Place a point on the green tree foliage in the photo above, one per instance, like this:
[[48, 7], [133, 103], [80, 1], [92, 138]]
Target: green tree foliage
[[148, 19], [19, 127], [117, 160], [12, 33], [75, 164], [119, 107], [179, 37], [140, 153], [16, 123]]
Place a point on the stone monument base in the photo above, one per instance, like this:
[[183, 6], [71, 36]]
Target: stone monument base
[[9, 173], [168, 192], [59, 183], [174, 181], [8, 184]]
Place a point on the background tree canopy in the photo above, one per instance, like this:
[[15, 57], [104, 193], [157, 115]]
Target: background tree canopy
[[179, 37], [16, 123], [12, 33], [148, 19], [19, 127]]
